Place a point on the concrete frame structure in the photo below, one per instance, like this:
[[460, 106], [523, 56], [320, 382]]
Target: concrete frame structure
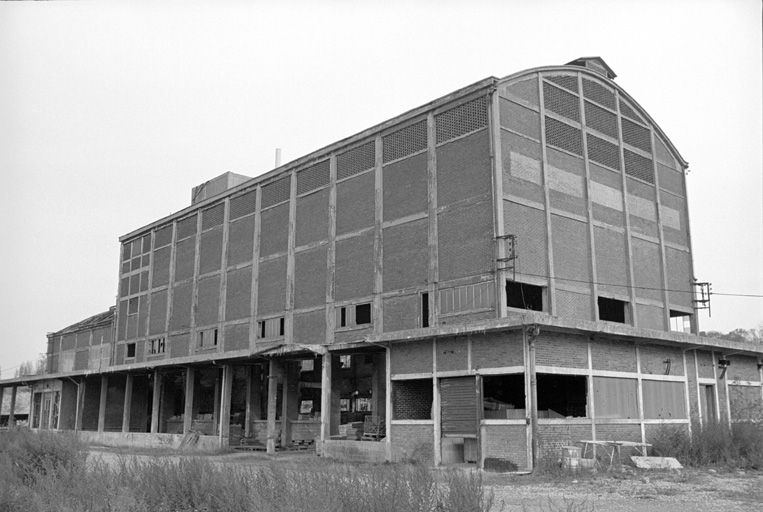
[[492, 275]]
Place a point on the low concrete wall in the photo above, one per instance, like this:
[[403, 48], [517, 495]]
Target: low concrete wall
[[145, 440], [359, 451]]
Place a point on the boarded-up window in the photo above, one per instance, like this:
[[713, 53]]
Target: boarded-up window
[[459, 406], [615, 398], [663, 400]]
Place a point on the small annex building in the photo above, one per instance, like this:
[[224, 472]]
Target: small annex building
[[493, 275]]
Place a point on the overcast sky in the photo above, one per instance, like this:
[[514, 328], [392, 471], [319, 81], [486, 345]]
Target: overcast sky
[[110, 113]]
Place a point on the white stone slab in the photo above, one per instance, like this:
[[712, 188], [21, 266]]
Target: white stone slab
[[656, 462]]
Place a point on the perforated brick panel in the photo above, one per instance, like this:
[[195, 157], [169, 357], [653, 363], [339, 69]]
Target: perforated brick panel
[[463, 169], [573, 305], [240, 241], [679, 277], [274, 230], [598, 93], [402, 313], [243, 204], [186, 227], [208, 301], [356, 160], [520, 119], [405, 187], [313, 177], [236, 337], [406, 255], [158, 315], [561, 102], [567, 81], [601, 119], [355, 204], [272, 286], [563, 136], [670, 180], [354, 264], [405, 141], [663, 154], [638, 166], [465, 245], [312, 218], [210, 250], [310, 278], [460, 120], [212, 217], [276, 192], [571, 254], [181, 307], [629, 112], [526, 90], [163, 236], [238, 294], [529, 225], [412, 399], [603, 152], [310, 328], [184, 259]]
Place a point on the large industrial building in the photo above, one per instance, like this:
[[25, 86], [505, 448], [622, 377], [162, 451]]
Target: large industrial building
[[495, 274]]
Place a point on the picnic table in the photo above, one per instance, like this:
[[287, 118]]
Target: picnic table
[[612, 447]]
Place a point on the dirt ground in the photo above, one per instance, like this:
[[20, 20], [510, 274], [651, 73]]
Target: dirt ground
[[632, 491]]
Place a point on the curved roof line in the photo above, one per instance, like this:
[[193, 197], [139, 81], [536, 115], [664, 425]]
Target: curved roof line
[[622, 91]]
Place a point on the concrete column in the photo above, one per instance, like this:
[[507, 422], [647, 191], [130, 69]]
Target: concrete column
[[102, 405], [249, 402], [226, 388], [127, 404], [289, 404], [188, 405], [2, 392], [273, 379], [80, 405], [156, 400], [379, 385], [216, 404], [12, 408], [326, 397]]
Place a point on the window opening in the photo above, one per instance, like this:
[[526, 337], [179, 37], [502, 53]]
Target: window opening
[[208, 338], [345, 361], [343, 315], [562, 396], [270, 328], [156, 346], [524, 296], [130, 350], [612, 310], [680, 321], [709, 402], [363, 314], [425, 309], [281, 325], [503, 396]]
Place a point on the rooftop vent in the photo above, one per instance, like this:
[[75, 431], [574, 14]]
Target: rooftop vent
[[216, 186], [596, 64]]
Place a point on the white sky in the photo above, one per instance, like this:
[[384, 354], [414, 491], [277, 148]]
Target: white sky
[[110, 113]]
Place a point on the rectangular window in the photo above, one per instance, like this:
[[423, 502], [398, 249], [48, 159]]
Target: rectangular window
[[208, 338], [503, 397], [271, 328], [353, 316], [524, 296], [156, 346], [345, 361], [425, 309], [680, 321], [130, 350], [562, 396], [613, 310]]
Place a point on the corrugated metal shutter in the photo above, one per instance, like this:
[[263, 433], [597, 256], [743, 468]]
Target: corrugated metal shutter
[[458, 406]]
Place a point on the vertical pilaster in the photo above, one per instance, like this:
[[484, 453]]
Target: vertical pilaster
[[716, 388], [248, 402], [81, 389], [591, 401], [127, 408], [217, 401], [2, 392], [156, 400], [326, 393], [255, 270], [388, 406], [223, 277], [640, 394], [272, 399], [193, 342], [378, 317], [686, 391], [433, 268], [292, 235], [12, 408], [330, 262], [546, 204], [436, 417], [102, 403], [496, 157], [700, 398], [190, 381], [663, 263], [533, 396], [528, 403]]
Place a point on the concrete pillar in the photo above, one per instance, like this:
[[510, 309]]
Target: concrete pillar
[[2, 392], [12, 408], [249, 402], [80, 405], [326, 396], [225, 392], [289, 405], [102, 405], [188, 404], [273, 379], [156, 400], [379, 386], [127, 404], [216, 405]]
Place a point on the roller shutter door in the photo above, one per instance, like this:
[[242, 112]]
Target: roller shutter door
[[459, 406]]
